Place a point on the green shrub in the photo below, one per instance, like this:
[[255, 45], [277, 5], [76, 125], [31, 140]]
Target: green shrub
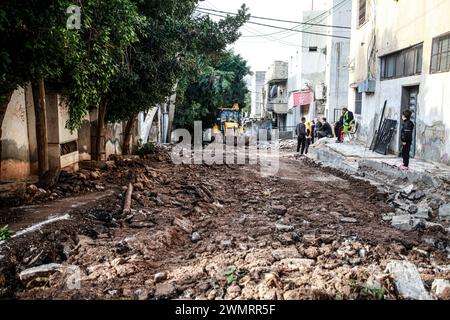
[[5, 233], [146, 149]]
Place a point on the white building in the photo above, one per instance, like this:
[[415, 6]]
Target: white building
[[257, 99], [307, 73], [401, 55], [338, 53]]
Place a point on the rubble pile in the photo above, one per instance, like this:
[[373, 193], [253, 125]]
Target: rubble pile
[[225, 232]]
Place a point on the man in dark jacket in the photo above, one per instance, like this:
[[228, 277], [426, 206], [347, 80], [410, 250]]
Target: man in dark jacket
[[325, 131], [300, 131], [407, 138]]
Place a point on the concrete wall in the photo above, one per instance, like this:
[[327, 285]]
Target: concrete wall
[[15, 155], [393, 26]]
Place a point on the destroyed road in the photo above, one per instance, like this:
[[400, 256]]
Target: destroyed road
[[225, 232]]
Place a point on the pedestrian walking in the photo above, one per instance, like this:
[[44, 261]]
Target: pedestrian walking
[[300, 131], [407, 138]]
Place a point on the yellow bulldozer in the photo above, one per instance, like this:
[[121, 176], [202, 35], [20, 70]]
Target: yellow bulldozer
[[229, 119]]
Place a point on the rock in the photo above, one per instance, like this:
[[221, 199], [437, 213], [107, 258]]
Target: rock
[[444, 212], [419, 195], [408, 190], [32, 189], [295, 264], [226, 243], [423, 212], [233, 292], [160, 277], [41, 271], [283, 228], [441, 289], [348, 220], [407, 280], [405, 222], [165, 291], [285, 253], [309, 239], [432, 225], [183, 224], [312, 252], [95, 175], [412, 209], [196, 237], [278, 210]]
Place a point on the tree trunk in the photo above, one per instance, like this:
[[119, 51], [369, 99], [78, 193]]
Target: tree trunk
[[38, 88], [3, 108], [127, 136], [99, 138]]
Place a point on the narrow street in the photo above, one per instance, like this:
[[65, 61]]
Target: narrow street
[[219, 232]]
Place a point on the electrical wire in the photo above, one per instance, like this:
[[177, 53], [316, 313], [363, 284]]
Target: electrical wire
[[280, 20], [277, 27]]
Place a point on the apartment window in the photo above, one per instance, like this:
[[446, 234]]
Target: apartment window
[[404, 63], [362, 11], [358, 102], [440, 56]]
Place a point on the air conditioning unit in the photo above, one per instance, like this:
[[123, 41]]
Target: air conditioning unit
[[367, 86]]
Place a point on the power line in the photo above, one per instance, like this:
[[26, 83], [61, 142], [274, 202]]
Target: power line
[[280, 20], [277, 27]]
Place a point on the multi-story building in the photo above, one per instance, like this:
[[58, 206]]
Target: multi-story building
[[400, 53], [338, 52], [257, 88], [276, 94], [307, 74]]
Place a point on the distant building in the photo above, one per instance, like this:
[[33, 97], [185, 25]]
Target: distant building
[[276, 94], [307, 74], [257, 99], [338, 53], [400, 53]]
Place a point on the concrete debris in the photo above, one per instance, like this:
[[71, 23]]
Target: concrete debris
[[348, 220], [196, 237], [405, 222], [279, 210], [160, 277], [41, 271], [407, 280], [441, 289], [444, 212]]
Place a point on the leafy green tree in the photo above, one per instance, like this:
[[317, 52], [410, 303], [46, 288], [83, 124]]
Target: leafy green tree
[[171, 39], [220, 85]]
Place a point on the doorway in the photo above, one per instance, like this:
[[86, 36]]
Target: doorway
[[410, 100]]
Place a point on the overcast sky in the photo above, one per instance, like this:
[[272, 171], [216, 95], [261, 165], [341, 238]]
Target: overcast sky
[[261, 52]]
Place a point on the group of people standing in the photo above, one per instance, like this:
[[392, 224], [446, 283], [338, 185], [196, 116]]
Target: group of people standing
[[308, 131]]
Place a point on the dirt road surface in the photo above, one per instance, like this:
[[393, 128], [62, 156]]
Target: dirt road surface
[[223, 232]]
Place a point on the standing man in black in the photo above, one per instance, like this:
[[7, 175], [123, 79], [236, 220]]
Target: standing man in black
[[407, 138], [300, 131]]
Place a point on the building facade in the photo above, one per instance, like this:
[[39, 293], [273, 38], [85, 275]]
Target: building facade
[[400, 55], [276, 94], [257, 100], [338, 53]]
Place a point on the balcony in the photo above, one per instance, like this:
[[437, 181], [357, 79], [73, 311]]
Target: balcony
[[278, 105]]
